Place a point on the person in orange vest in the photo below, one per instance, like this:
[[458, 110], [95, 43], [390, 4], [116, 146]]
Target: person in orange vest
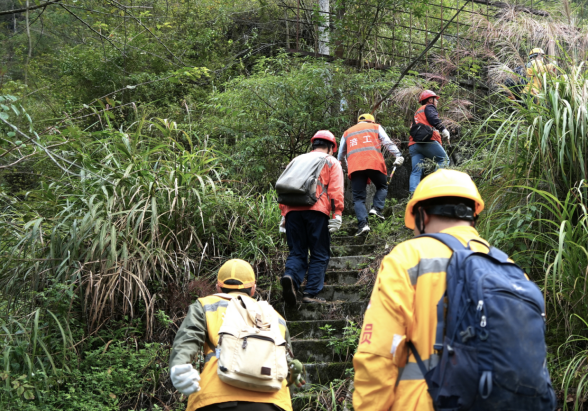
[[361, 149], [427, 114], [200, 331]]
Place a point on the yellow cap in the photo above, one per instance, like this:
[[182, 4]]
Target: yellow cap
[[443, 183], [236, 269], [367, 117], [536, 50]]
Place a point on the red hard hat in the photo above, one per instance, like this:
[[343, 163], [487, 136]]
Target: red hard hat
[[325, 135], [427, 94]]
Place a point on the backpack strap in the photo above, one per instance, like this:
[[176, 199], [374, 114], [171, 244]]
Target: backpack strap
[[454, 244], [417, 357], [450, 241]]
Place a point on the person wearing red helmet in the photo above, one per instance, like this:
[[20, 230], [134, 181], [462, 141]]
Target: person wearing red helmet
[[419, 151], [308, 227]]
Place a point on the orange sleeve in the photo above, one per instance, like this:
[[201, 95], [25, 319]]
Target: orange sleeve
[[335, 188]]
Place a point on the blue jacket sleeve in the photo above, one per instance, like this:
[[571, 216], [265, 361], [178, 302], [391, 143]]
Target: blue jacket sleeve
[[433, 117]]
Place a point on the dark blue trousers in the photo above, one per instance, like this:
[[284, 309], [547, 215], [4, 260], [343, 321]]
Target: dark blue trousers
[[308, 231]]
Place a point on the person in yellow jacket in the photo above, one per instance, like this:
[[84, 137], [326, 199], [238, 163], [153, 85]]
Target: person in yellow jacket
[[403, 305], [199, 330], [536, 68]]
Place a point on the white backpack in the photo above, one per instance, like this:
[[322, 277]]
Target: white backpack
[[251, 351]]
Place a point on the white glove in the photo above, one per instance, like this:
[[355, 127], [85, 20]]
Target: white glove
[[445, 133], [335, 224], [399, 161], [185, 378], [283, 225]]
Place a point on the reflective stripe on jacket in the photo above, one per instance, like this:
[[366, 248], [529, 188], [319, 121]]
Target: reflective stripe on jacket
[[363, 146], [384, 141], [403, 306], [421, 118], [206, 315], [330, 177]]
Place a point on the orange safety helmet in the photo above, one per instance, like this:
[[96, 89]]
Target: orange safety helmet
[[325, 135], [427, 94]]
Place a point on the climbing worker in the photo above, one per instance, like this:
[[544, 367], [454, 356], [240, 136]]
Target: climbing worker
[[430, 147], [361, 149], [200, 330], [305, 217], [536, 69], [407, 328]]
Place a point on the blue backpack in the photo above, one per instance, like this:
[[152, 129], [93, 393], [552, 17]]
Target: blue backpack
[[491, 338]]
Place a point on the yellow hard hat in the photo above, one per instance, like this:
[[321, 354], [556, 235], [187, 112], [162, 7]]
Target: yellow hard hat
[[236, 269], [443, 183], [536, 51], [366, 117]]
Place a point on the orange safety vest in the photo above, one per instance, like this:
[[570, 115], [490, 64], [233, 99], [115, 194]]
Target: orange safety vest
[[213, 390], [363, 148], [421, 118]]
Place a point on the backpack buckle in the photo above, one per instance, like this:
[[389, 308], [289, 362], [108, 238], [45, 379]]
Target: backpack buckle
[[467, 334]]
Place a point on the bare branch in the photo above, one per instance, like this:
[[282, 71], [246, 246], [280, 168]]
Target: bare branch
[[90, 27], [19, 160], [40, 6]]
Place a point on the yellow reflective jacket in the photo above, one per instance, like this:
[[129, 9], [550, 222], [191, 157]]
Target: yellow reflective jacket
[[535, 71], [200, 328], [403, 306]]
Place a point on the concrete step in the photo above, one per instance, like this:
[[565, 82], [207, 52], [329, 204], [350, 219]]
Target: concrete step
[[312, 329], [343, 293], [341, 277], [323, 373], [348, 263], [348, 240], [346, 250], [329, 311], [315, 350]]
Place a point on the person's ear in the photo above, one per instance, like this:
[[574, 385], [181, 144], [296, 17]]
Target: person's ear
[[218, 289], [426, 218], [253, 290]]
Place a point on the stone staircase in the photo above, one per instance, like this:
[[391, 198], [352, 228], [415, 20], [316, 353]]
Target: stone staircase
[[347, 301]]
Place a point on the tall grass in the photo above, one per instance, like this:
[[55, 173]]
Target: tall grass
[[147, 208], [539, 211]]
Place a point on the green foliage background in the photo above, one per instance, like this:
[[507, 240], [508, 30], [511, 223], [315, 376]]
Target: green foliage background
[[139, 143]]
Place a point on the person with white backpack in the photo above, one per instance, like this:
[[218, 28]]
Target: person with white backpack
[[310, 190], [245, 346]]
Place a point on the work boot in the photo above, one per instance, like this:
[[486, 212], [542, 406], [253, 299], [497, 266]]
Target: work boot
[[363, 229], [288, 290], [307, 298], [377, 213]]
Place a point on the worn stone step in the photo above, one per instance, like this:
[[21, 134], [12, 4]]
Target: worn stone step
[[348, 240], [346, 250], [323, 373], [312, 329], [343, 293], [348, 262], [329, 311], [341, 277], [315, 350]]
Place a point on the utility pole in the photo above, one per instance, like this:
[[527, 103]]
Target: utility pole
[[324, 34]]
